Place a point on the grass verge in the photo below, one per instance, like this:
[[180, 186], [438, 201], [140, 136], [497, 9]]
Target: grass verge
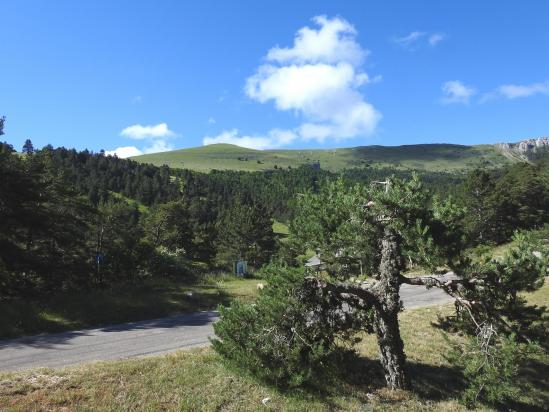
[[197, 380], [124, 303]]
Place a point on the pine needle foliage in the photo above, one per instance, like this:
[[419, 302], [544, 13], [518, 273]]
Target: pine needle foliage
[[287, 337]]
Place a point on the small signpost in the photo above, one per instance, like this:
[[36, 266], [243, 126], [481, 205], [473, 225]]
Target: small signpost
[[99, 258], [240, 268]]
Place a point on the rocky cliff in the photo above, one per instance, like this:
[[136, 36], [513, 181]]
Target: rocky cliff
[[527, 150]]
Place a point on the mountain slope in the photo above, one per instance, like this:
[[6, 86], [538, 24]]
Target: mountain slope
[[430, 157]]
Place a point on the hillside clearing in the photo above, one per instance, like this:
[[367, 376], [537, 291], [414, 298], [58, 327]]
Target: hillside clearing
[[427, 157]]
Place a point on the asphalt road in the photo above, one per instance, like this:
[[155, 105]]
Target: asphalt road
[[144, 338]]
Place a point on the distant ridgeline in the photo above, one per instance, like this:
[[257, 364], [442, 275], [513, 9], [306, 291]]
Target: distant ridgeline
[[101, 177], [427, 157]]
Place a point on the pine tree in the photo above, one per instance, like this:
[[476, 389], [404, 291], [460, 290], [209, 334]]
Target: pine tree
[[477, 193], [28, 148], [245, 232], [378, 229]]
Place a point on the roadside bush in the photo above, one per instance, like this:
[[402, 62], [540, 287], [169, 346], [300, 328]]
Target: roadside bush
[[490, 365], [170, 264], [500, 284], [286, 338]]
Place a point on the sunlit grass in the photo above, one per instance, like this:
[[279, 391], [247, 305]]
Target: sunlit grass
[[280, 228], [435, 157]]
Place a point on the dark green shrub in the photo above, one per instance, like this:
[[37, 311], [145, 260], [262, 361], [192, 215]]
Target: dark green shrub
[[287, 337], [169, 264], [490, 366]]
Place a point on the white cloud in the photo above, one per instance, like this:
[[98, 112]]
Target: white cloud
[[137, 99], [156, 137], [273, 139], [158, 145], [417, 39], [139, 132], [409, 40], [333, 42], [513, 91], [319, 80], [211, 120], [155, 146], [123, 152], [299, 87], [456, 92], [436, 38]]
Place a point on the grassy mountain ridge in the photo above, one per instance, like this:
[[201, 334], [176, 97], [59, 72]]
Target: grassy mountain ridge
[[430, 157]]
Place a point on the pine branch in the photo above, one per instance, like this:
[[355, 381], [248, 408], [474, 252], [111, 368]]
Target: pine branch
[[455, 288], [367, 292]]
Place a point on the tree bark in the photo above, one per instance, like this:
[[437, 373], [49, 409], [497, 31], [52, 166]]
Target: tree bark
[[391, 347], [384, 298]]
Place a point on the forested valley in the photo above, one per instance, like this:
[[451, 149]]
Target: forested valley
[[74, 219]]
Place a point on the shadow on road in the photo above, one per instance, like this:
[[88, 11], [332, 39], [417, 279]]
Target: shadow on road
[[71, 310], [42, 341], [64, 338], [194, 319]]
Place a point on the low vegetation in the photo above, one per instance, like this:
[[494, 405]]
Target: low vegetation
[[70, 310], [198, 380]]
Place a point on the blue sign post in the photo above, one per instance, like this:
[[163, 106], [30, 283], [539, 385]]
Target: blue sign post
[[240, 268]]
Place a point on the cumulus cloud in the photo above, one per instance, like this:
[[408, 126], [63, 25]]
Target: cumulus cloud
[[275, 138], [139, 132], [154, 146], [515, 91], [158, 145], [125, 151], [456, 92], [333, 42], [156, 138], [211, 120], [318, 79]]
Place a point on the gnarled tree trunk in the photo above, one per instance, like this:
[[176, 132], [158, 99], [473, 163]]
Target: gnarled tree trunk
[[391, 347]]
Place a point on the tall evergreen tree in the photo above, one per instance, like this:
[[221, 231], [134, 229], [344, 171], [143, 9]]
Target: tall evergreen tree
[[168, 225], [246, 232], [520, 200], [28, 148], [119, 253], [478, 190]]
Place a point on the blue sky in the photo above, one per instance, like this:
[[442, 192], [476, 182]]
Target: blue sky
[[148, 76]]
